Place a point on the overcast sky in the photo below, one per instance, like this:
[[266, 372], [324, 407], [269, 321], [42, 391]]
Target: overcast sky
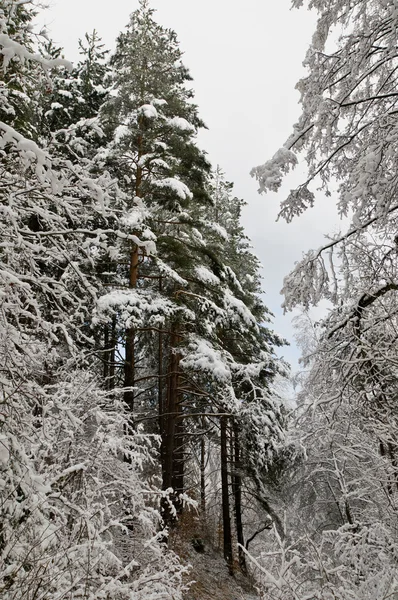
[[245, 58]]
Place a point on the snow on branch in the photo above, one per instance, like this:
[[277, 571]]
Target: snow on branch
[[181, 124], [203, 357], [29, 150], [138, 308], [12, 49], [176, 186], [270, 174]]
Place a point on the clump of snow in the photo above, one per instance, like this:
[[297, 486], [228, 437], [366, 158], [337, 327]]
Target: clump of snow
[[205, 275], [65, 93], [219, 229], [29, 150], [270, 174], [11, 49], [158, 102], [238, 311], [169, 272], [148, 110], [4, 451], [176, 185], [137, 308], [181, 124], [120, 132], [136, 216], [202, 356]]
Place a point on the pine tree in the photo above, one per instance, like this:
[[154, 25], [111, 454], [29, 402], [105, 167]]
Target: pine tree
[[153, 153]]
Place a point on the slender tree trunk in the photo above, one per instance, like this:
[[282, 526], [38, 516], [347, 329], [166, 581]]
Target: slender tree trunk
[[110, 343], [178, 458], [168, 440], [225, 500], [129, 366], [237, 491], [161, 403], [202, 476], [106, 355], [112, 355], [129, 361]]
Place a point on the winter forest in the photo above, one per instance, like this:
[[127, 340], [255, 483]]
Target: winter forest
[[150, 448]]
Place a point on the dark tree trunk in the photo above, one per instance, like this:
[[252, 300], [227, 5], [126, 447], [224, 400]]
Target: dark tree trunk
[[202, 476], [112, 355], [129, 366], [161, 400], [170, 477], [178, 459], [106, 355], [129, 359], [237, 491], [225, 500]]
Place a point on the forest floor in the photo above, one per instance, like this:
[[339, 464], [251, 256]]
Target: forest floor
[[209, 573]]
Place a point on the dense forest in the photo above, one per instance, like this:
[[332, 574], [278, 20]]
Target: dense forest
[[143, 420]]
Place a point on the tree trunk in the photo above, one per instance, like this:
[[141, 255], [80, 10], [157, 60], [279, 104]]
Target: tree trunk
[[202, 476], [237, 491], [225, 500], [129, 366], [112, 355], [168, 434], [161, 403], [178, 458], [106, 355]]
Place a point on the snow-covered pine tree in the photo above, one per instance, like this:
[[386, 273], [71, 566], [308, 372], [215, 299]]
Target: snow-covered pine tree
[[154, 156], [70, 100], [172, 319]]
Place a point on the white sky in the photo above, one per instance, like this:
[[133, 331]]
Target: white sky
[[245, 58]]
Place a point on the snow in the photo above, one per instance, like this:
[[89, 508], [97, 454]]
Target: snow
[[70, 470], [270, 174], [159, 102], [205, 275], [4, 450], [136, 216], [202, 356], [181, 124], [120, 132], [65, 93], [176, 185], [219, 229], [30, 151], [148, 110], [139, 308], [169, 272], [238, 311], [11, 49]]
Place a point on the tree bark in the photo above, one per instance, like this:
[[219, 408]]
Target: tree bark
[[178, 458], [170, 477], [112, 355], [237, 491], [106, 355], [129, 366], [202, 476], [225, 499], [129, 361]]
